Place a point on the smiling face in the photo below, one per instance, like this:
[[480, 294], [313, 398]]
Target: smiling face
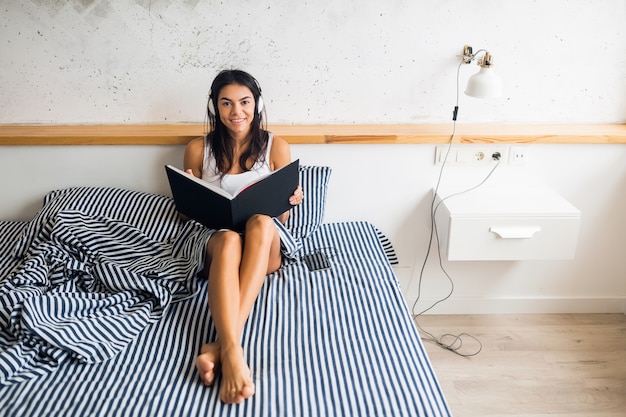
[[236, 109]]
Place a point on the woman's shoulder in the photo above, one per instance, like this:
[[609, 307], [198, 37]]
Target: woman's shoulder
[[196, 142], [278, 141], [280, 154], [194, 153], [195, 146]]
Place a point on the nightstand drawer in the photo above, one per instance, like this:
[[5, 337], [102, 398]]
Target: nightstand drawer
[[507, 224], [512, 238]]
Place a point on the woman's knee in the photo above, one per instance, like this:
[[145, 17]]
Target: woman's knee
[[263, 231], [222, 247], [223, 241], [261, 223]]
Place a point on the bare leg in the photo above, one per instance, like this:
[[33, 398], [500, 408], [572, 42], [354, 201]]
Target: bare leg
[[231, 300], [222, 265]]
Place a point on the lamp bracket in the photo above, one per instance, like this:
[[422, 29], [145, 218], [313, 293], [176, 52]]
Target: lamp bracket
[[468, 54], [485, 61]]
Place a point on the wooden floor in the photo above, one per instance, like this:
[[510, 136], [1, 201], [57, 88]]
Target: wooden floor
[[532, 365]]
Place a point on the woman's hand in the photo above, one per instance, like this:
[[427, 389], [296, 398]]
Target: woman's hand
[[297, 196], [295, 199]]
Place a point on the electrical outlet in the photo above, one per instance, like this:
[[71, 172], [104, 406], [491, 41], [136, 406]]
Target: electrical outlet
[[474, 155], [518, 155]]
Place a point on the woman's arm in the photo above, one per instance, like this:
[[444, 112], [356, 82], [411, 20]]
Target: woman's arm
[[280, 154], [192, 161], [194, 155]]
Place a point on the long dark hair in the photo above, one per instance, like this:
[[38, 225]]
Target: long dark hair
[[220, 142]]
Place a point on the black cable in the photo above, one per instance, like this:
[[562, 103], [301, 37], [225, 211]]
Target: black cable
[[457, 340], [436, 235], [432, 204], [456, 344]]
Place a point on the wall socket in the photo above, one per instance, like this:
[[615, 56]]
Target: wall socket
[[475, 155], [518, 155]]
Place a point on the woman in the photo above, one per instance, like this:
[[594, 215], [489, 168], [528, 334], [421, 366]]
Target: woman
[[235, 152]]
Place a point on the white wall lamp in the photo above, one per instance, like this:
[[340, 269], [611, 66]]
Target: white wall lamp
[[485, 83]]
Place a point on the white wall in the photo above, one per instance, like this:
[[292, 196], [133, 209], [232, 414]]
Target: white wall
[[347, 62], [591, 177], [361, 61]]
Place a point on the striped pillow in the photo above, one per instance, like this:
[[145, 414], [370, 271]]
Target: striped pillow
[[307, 217], [153, 214]]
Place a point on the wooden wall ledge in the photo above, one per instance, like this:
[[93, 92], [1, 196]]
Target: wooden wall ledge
[[179, 134]]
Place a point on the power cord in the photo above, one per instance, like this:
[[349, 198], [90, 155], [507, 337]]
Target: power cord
[[434, 233], [456, 343]]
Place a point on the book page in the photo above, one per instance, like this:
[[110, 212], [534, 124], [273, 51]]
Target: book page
[[205, 184], [255, 181]]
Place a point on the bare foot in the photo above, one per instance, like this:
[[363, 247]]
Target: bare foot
[[208, 362], [237, 382]]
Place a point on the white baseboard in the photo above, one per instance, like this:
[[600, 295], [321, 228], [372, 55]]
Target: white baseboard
[[522, 305]]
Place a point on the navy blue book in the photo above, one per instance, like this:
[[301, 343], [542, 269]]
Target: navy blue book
[[217, 209]]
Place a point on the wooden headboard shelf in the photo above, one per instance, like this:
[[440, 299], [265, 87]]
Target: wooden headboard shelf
[[179, 134]]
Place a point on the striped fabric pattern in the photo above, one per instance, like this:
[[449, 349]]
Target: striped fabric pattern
[[101, 314], [10, 233], [307, 217], [89, 284], [387, 247], [133, 207], [338, 342], [290, 246]]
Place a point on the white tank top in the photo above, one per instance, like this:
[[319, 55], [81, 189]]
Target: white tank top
[[233, 182]]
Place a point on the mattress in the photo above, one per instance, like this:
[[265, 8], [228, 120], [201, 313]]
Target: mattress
[[103, 314]]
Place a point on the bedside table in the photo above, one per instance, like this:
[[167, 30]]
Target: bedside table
[[506, 223]]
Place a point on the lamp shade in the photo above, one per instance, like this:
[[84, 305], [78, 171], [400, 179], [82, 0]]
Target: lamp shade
[[484, 84]]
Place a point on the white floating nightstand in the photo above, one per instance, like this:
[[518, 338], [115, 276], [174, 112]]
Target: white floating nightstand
[[506, 223]]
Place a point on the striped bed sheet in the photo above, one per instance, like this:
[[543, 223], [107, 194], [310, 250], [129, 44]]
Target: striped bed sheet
[[333, 342]]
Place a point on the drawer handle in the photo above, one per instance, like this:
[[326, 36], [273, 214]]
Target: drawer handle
[[515, 232]]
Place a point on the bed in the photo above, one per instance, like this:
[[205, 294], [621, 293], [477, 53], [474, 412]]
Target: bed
[[102, 314]]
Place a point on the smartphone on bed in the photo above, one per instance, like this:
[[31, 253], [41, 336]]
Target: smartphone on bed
[[316, 261]]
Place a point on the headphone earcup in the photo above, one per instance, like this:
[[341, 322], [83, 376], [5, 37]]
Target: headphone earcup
[[260, 105], [210, 107]]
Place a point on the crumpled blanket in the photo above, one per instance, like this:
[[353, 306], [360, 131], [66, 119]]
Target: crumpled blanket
[[88, 289]]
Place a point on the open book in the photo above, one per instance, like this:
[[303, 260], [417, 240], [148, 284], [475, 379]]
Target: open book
[[217, 209]]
